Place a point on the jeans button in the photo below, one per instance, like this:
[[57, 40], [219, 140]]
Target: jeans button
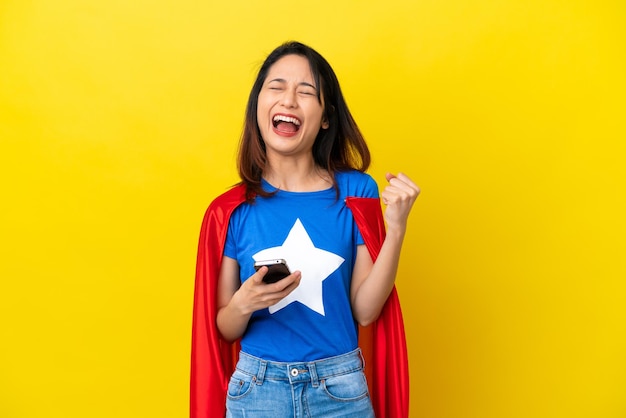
[[294, 372]]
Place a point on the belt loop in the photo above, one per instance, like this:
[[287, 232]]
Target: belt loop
[[362, 358], [261, 375], [314, 379]]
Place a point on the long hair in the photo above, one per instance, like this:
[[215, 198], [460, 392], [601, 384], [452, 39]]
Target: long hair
[[340, 147]]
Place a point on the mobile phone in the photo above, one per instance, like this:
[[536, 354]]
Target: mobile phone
[[277, 269]]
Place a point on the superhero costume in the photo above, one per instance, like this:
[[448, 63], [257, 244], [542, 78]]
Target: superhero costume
[[214, 359]]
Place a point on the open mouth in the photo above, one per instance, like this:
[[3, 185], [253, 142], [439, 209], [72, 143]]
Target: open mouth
[[286, 124]]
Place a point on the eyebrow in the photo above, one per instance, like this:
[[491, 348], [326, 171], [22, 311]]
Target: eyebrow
[[282, 80]]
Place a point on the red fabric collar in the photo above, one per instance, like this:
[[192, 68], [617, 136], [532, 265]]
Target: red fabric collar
[[213, 360]]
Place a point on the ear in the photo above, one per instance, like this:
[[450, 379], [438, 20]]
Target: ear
[[325, 123]]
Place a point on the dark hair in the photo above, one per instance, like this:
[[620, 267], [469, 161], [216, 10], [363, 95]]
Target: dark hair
[[340, 147]]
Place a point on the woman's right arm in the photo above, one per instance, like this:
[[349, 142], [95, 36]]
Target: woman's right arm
[[237, 302]]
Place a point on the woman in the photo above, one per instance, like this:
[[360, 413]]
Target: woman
[[304, 198]]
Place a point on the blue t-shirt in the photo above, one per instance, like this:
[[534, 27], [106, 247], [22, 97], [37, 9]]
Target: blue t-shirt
[[316, 234]]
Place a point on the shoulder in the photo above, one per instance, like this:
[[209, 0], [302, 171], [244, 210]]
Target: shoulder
[[356, 183], [229, 199], [217, 215]]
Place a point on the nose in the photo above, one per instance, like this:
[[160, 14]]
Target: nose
[[289, 98]]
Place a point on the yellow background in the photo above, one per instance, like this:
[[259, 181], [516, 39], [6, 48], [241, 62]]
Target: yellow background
[[119, 122]]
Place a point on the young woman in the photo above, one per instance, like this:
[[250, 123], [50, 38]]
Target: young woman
[[305, 199]]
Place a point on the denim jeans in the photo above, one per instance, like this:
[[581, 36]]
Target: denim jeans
[[332, 387]]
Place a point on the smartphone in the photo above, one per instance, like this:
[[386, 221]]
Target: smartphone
[[277, 269]]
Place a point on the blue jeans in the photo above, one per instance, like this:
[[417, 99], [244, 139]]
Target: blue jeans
[[332, 387]]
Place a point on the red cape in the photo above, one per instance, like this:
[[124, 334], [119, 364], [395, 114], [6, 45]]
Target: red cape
[[213, 359]]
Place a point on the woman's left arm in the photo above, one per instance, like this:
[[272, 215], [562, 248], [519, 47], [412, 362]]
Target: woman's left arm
[[372, 282]]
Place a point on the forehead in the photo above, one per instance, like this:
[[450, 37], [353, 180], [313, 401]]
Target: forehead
[[291, 68]]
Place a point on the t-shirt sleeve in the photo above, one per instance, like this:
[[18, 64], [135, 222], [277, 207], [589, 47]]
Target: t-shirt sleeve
[[230, 246], [370, 187]]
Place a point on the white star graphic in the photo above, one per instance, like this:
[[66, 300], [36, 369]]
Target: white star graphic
[[314, 263]]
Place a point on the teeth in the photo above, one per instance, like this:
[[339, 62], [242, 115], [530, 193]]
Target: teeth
[[281, 118]]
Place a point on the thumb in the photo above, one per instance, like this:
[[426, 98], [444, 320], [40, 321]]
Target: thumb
[[258, 277], [389, 176]]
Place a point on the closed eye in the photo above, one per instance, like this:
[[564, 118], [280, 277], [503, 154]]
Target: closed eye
[[276, 84]]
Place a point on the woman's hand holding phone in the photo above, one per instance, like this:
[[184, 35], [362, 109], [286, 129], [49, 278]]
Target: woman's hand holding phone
[[255, 294], [241, 300]]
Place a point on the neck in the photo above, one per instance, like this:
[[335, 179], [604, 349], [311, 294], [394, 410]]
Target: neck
[[297, 176]]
